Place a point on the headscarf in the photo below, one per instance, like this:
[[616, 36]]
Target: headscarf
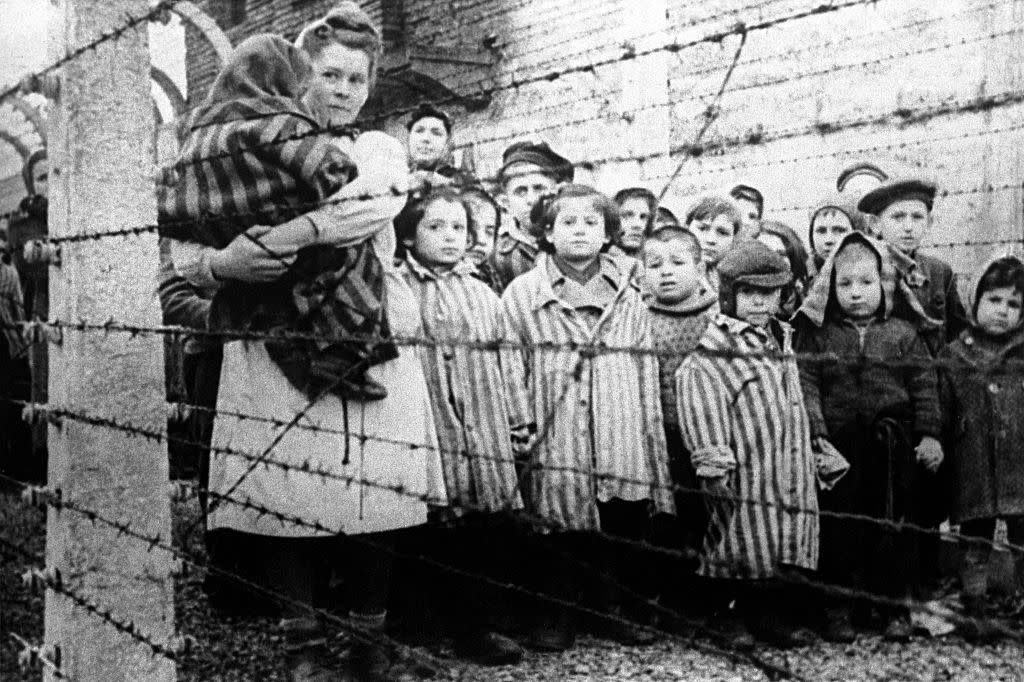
[[973, 295], [898, 273]]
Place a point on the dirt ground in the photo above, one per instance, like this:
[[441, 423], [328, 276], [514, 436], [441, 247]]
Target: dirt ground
[[249, 649]]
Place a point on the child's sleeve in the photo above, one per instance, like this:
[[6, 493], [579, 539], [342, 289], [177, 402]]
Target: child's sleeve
[[923, 387], [705, 417], [956, 314], [653, 419], [810, 384], [947, 400], [516, 361]]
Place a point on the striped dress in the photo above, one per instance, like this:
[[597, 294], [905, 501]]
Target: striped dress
[[473, 409], [745, 418], [598, 416]]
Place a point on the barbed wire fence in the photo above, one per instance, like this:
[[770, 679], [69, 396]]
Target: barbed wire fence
[[45, 573]]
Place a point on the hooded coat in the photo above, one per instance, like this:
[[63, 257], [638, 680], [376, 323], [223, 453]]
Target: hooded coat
[[839, 394], [983, 394]]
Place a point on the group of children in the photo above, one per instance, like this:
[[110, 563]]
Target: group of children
[[711, 369]]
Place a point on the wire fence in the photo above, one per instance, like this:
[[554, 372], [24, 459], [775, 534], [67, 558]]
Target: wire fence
[[528, 459]]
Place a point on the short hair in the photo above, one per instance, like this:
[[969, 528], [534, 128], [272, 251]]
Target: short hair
[[750, 194], [545, 211], [412, 213], [478, 192], [795, 251], [347, 25], [1007, 271], [427, 110], [671, 233], [710, 207]]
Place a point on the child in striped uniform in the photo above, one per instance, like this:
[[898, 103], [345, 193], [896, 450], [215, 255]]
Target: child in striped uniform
[[474, 411], [599, 460], [742, 414]]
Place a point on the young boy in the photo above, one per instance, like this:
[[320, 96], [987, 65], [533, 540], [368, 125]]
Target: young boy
[[637, 208], [681, 305], [715, 221], [742, 414], [486, 216], [882, 416], [529, 171], [984, 399], [601, 464], [751, 206]]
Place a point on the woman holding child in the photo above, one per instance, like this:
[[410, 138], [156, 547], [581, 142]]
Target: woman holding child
[[360, 400]]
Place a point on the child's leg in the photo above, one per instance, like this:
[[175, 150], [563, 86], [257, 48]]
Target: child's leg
[[627, 585], [974, 567]]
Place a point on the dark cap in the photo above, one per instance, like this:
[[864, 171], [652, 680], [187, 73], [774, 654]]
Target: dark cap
[[899, 189], [539, 154], [861, 168], [427, 110], [747, 192]]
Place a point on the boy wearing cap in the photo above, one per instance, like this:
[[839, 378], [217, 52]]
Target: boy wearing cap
[[903, 210], [741, 409], [751, 204], [529, 171]]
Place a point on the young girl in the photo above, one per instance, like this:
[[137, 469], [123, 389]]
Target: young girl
[[882, 416], [599, 460], [744, 423], [475, 413], [984, 398]]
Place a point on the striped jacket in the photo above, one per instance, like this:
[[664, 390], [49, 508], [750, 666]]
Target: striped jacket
[[473, 409], [598, 415], [744, 418]]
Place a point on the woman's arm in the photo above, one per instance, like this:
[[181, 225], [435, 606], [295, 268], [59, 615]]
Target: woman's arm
[[246, 259]]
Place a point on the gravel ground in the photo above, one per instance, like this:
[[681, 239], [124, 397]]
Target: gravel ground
[[242, 650]]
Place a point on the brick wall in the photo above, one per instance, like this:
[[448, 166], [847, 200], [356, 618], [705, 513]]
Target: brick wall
[[879, 57]]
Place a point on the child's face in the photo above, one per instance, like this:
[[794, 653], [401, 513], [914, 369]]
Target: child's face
[[526, 184], [757, 305], [903, 224], [750, 211], [999, 310], [485, 217], [715, 237], [670, 270], [428, 140], [442, 236], [827, 229], [578, 231], [634, 214], [858, 287]]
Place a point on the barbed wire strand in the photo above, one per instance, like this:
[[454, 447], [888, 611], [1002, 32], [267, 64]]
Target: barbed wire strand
[[35, 652]]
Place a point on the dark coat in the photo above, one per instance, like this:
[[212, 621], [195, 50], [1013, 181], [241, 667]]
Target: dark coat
[[940, 299], [984, 401], [512, 257]]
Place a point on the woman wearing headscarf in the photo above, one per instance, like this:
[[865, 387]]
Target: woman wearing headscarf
[[380, 455]]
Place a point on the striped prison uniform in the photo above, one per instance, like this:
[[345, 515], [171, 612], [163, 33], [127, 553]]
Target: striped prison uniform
[[599, 424], [744, 418], [474, 409]]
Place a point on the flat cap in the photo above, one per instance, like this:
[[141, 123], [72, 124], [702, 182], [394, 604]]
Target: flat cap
[[897, 189], [539, 154]]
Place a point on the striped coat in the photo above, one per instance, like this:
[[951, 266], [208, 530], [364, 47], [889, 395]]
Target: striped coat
[[473, 409], [599, 422], [745, 418]]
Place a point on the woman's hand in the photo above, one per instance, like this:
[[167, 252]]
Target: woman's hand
[[249, 258]]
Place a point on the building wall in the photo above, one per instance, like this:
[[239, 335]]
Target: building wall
[[852, 63]]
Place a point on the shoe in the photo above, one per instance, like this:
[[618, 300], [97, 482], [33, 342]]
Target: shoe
[[774, 631], [899, 629], [554, 634], [731, 633], [839, 626], [490, 648]]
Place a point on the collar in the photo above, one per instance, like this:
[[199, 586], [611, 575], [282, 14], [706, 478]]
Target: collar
[[777, 332], [423, 273], [548, 275], [700, 301]]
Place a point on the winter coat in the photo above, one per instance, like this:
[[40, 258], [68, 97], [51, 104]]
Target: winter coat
[[983, 394], [940, 299], [744, 418]]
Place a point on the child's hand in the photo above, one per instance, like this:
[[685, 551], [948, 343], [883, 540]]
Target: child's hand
[[929, 454]]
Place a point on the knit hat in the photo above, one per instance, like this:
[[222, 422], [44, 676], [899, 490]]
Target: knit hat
[[900, 189], [538, 154], [860, 168], [427, 110], [749, 262]]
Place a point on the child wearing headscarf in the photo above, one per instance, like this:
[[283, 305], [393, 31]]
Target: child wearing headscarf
[[984, 400], [880, 413], [252, 157]]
